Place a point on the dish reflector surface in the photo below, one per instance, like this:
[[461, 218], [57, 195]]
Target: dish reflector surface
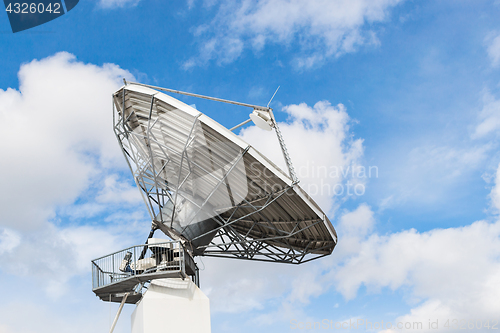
[[203, 184]]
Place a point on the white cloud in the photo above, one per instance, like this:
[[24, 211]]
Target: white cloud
[[357, 223], [495, 192], [427, 261], [489, 116], [246, 285], [446, 273], [323, 28], [67, 315], [9, 240], [428, 174], [493, 48], [57, 144], [58, 148], [450, 272], [117, 3], [52, 255], [56, 136], [448, 162], [271, 291], [325, 156], [118, 191]]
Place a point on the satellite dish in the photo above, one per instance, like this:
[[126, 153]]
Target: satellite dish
[[205, 186], [261, 120], [212, 194]]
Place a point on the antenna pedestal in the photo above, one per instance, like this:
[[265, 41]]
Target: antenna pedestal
[[172, 305]]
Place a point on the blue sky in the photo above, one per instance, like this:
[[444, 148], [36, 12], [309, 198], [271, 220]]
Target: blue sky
[[411, 88]]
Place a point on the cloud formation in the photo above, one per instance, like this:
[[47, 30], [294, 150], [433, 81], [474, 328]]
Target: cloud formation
[[493, 48], [62, 154], [61, 165], [321, 28], [110, 4], [56, 136], [449, 272], [326, 158], [445, 273], [489, 117]]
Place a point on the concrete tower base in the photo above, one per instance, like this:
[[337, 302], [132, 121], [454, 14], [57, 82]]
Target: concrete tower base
[[172, 305]]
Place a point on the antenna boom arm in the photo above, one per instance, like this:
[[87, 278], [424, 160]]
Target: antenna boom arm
[[257, 107]]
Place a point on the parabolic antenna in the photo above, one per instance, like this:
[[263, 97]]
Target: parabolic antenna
[[261, 121], [209, 189]]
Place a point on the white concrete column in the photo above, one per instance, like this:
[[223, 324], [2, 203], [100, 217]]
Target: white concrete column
[[172, 305]]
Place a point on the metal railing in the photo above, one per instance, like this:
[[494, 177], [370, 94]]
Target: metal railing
[[147, 260]]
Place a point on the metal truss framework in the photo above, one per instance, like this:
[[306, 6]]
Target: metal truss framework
[[230, 238]]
